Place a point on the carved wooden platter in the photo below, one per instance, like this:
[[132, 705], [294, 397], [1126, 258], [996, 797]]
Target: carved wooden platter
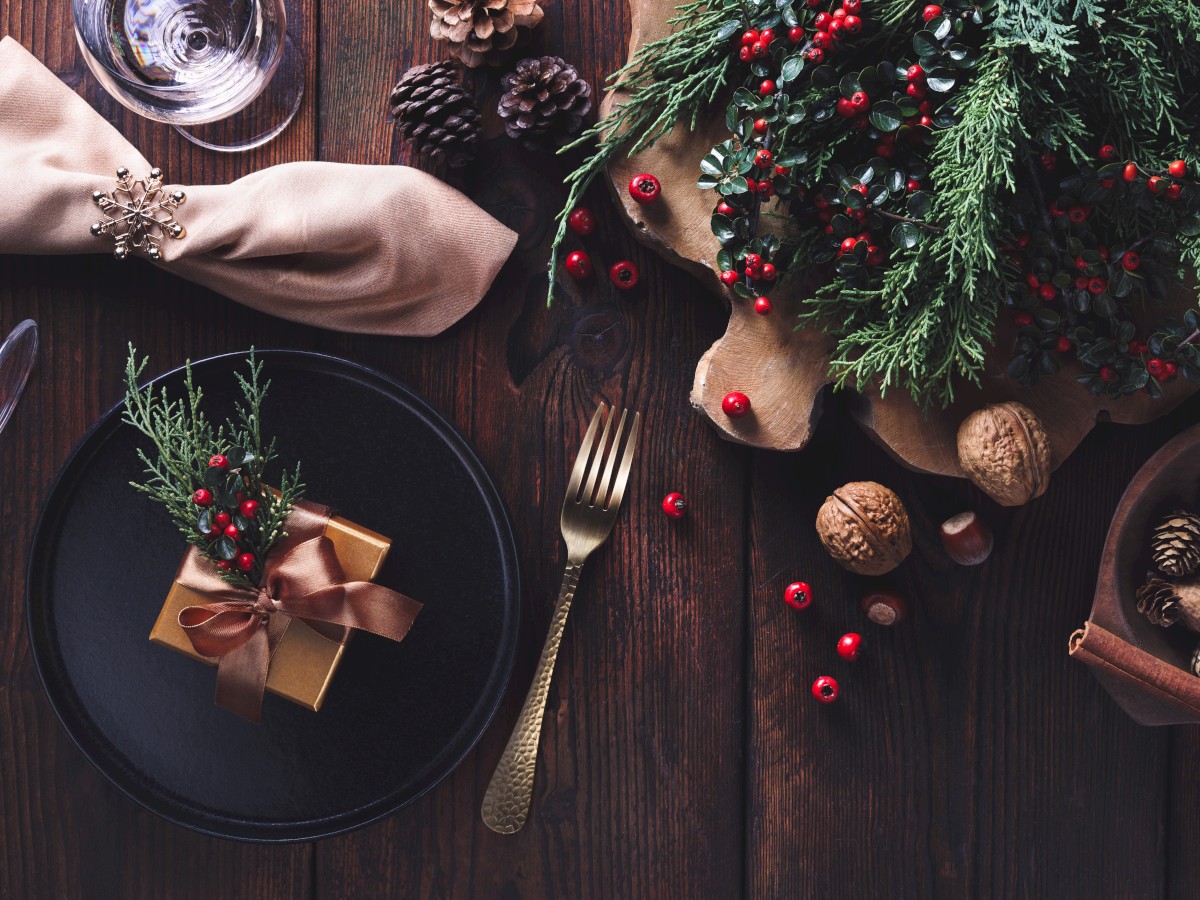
[[784, 371]]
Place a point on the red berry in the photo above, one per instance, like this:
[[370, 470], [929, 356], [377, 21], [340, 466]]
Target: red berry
[[1064, 344], [925, 121], [783, 170], [248, 508], [750, 37], [822, 40], [753, 260], [852, 6], [623, 275], [816, 56], [762, 306], [1171, 369], [932, 11], [581, 221], [825, 689], [232, 531], [1108, 375], [915, 91], [1077, 214], [223, 565], [1107, 183], [1131, 260], [768, 272], [915, 73], [848, 646], [913, 185], [874, 256], [745, 54], [1130, 172], [751, 185], [853, 24], [578, 265], [202, 497], [1022, 318], [860, 101], [822, 21], [1097, 285], [724, 209], [767, 36], [1023, 239], [767, 88], [758, 50], [761, 126], [845, 108], [1049, 160], [1177, 169], [797, 595], [1081, 282], [763, 159], [729, 277], [245, 562], [1156, 368], [1155, 184], [1173, 192], [848, 244], [735, 405], [1047, 292], [1108, 153], [795, 34], [839, 13], [221, 519], [218, 462], [644, 188], [1032, 280], [861, 188], [674, 505]]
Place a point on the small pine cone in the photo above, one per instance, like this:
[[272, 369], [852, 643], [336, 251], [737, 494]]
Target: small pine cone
[[544, 101], [1175, 544], [480, 31], [436, 114], [1158, 602]]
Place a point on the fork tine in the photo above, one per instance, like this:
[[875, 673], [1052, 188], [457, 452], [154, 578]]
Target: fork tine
[[602, 449], [610, 464], [585, 453], [622, 479]]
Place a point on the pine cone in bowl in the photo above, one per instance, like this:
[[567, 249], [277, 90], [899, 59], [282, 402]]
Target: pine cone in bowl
[[480, 31], [544, 101], [436, 114]]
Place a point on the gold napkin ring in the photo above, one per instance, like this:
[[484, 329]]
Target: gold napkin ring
[[139, 215]]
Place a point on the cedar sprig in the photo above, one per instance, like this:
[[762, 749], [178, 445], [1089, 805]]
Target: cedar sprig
[[184, 440]]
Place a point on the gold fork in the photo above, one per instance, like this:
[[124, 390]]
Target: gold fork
[[594, 496]]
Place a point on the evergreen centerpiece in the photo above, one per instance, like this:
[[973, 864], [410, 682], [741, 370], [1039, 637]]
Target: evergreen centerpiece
[[209, 478], [940, 168]]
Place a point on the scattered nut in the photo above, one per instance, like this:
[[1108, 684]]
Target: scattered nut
[[864, 526], [967, 539], [1004, 449], [885, 607]]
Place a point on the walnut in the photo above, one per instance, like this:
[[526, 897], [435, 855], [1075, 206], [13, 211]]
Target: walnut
[[864, 526], [1004, 449]]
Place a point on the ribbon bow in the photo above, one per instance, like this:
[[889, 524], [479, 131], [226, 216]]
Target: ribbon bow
[[303, 579]]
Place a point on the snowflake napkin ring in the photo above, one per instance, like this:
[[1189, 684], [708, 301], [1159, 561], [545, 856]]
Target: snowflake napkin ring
[[139, 214]]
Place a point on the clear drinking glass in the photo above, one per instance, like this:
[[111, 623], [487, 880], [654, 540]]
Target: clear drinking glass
[[223, 72], [17, 354]]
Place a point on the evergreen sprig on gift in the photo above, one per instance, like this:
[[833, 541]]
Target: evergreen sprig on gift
[[938, 167], [210, 478]]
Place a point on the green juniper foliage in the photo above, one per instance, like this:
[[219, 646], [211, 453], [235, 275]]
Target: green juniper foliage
[[939, 169], [184, 441]]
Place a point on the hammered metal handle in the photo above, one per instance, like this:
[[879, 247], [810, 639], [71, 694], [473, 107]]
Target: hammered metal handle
[[506, 803]]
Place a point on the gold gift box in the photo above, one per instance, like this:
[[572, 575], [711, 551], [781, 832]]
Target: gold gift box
[[306, 658]]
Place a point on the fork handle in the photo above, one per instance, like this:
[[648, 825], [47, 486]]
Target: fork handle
[[508, 796]]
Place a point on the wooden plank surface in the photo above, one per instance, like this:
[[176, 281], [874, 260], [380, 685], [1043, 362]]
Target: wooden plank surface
[[682, 754]]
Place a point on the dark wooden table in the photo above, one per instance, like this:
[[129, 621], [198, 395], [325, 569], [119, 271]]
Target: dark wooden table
[[682, 756]]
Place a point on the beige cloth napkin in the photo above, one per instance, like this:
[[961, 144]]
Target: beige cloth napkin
[[337, 246]]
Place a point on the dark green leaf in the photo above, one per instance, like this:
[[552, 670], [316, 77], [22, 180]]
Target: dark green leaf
[[739, 288], [864, 174], [722, 227], [940, 81], [707, 182], [1104, 305], [925, 44], [792, 156], [728, 30], [854, 200], [940, 27], [1190, 227], [877, 195], [906, 235], [204, 522], [215, 476], [725, 258], [918, 205], [225, 548], [849, 84], [886, 116], [792, 67], [895, 181]]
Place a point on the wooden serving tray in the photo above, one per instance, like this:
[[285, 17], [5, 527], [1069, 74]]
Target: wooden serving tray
[[784, 371]]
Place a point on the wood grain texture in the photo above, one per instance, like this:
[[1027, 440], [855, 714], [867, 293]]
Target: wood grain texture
[[684, 756]]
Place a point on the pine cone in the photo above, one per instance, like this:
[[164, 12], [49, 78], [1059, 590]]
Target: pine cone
[[544, 101], [1158, 602], [480, 31], [436, 114], [1176, 544]]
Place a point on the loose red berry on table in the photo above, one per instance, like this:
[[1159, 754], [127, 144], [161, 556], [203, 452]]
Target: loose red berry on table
[[1156, 368], [1108, 374], [768, 272], [795, 34], [248, 508], [1131, 260], [1064, 344], [932, 11], [644, 188], [1097, 285], [623, 275], [729, 277], [735, 405], [232, 531], [1022, 318], [674, 505], [578, 265], [218, 462], [1047, 292], [1177, 169], [244, 562], [762, 306], [1130, 172], [825, 689], [849, 645], [1108, 153], [763, 159], [202, 497], [798, 595], [581, 221], [767, 88]]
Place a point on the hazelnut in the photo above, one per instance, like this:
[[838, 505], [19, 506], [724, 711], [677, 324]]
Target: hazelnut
[[864, 526], [1003, 448], [967, 539], [884, 607]]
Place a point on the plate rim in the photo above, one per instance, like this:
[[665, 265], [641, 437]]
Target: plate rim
[[298, 831]]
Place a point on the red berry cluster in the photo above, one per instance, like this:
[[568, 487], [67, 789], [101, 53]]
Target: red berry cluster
[[624, 274], [228, 519]]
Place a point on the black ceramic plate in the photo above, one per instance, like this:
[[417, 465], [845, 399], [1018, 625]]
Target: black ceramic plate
[[397, 718]]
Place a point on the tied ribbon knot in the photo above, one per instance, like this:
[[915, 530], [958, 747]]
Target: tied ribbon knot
[[302, 579]]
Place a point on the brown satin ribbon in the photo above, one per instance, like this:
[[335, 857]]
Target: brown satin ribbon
[[302, 579]]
